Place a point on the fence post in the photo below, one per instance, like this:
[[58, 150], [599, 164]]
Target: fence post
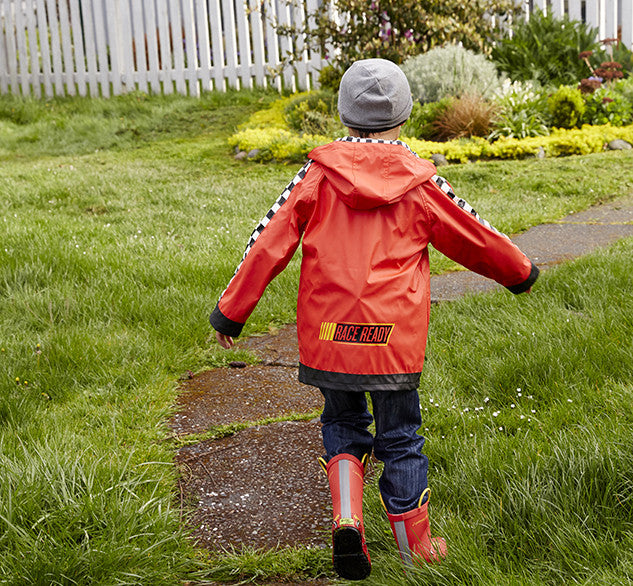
[[627, 23], [78, 52], [204, 45], [217, 45]]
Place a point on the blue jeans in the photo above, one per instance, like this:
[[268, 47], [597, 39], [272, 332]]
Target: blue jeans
[[345, 420]]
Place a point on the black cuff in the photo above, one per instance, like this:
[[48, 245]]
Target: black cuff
[[522, 287], [224, 325]]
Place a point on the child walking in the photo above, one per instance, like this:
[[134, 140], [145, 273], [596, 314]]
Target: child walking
[[365, 208]]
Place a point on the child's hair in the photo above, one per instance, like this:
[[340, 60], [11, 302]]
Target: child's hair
[[365, 132]]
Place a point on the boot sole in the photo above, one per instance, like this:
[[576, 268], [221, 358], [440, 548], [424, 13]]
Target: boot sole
[[349, 559]]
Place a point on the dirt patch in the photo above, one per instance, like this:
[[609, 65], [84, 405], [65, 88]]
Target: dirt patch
[[261, 487]]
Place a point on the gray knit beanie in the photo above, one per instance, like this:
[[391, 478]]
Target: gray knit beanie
[[374, 95]]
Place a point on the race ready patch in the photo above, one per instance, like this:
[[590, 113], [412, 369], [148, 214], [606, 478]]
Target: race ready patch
[[346, 333]]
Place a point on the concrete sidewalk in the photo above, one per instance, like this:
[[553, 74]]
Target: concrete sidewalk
[[548, 245]]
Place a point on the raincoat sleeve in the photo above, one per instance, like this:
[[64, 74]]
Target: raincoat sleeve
[[269, 250], [462, 235]]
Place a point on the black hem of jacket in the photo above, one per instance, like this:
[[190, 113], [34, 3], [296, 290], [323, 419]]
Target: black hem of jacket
[[342, 381], [522, 287], [224, 325]]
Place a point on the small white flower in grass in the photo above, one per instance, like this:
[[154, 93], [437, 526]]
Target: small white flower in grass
[[569, 400], [501, 429], [437, 404], [533, 410], [471, 435], [466, 409], [496, 413], [512, 406], [420, 406], [486, 399], [522, 416]]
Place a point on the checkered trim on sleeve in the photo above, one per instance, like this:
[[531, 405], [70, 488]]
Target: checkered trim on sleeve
[[445, 186], [271, 213]]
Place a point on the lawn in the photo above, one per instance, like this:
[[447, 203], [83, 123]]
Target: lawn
[[122, 221]]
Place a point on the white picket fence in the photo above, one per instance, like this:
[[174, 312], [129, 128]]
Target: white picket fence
[[109, 47], [105, 47]]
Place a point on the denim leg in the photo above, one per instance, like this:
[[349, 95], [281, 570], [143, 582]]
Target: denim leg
[[345, 420], [399, 447]]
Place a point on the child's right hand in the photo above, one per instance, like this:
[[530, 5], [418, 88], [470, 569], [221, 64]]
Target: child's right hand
[[225, 341]]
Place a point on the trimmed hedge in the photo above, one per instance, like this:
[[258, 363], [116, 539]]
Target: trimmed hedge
[[275, 142]]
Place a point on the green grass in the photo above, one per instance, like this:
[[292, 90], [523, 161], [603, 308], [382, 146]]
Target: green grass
[[121, 222]]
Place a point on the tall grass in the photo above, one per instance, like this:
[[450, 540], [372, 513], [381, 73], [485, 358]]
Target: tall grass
[[114, 246]]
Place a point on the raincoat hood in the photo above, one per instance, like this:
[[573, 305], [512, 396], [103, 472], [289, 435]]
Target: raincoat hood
[[367, 174]]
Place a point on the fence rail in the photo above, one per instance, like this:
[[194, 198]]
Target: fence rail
[[109, 47]]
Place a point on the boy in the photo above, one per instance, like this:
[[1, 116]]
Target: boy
[[365, 208]]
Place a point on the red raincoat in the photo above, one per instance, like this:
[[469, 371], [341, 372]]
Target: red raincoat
[[366, 210]]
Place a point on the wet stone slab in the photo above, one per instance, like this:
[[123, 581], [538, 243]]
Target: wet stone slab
[[547, 245], [240, 395], [277, 349], [261, 487]]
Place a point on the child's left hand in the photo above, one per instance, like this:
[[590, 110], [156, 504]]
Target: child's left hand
[[225, 341]]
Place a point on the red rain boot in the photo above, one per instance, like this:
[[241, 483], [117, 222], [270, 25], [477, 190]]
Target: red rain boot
[[349, 551], [413, 535]]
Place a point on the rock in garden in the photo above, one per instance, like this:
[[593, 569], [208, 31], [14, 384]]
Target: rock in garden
[[253, 153], [439, 159], [619, 145], [240, 156], [540, 154]]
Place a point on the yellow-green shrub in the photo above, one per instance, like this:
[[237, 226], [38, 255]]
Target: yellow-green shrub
[[276, 143], [281, 144]]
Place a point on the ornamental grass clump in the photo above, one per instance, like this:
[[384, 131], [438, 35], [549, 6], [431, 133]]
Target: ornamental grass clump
[[465, 117]]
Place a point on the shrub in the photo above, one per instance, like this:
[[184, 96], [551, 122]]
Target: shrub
[[522, 111], [566, 107], [546, 49], [313, 113], [330, 78], [282, 145], [271, 117], [423, 116], [396, 29], [606, 106], [467, 116], [450, 71]]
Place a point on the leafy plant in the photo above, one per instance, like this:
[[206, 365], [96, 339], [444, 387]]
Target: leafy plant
[[606, 106], [423, 116], [313, 113], [566, 107], [330, 78], [450, 71], [522, 111], [546, 49]]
